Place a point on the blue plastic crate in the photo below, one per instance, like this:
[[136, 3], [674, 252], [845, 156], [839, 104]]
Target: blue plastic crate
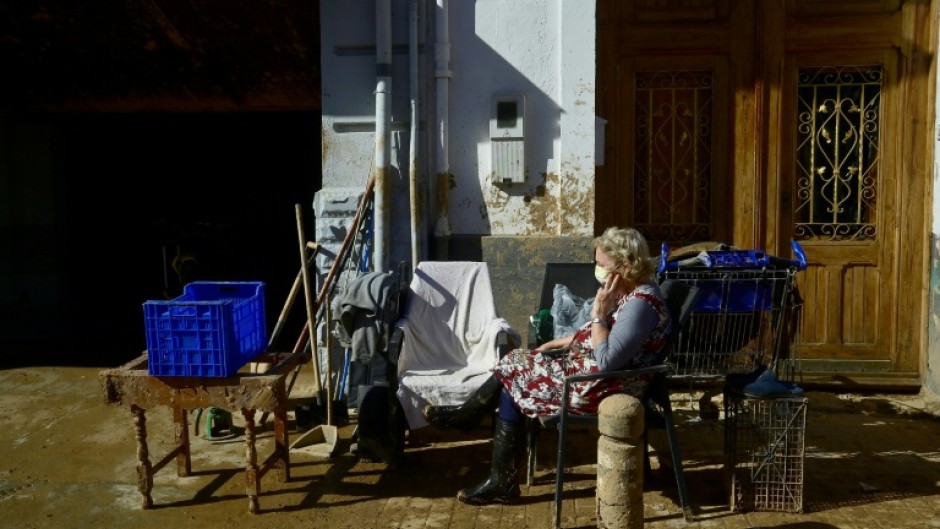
[[734, 259], [739, 294], [211, 330]]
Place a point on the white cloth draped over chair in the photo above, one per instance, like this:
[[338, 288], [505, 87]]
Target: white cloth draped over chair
[[452, 336]]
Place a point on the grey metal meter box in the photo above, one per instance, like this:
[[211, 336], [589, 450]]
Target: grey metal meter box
[[507, 138]]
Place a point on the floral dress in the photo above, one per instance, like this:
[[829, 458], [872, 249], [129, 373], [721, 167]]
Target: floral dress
[[536, 380]]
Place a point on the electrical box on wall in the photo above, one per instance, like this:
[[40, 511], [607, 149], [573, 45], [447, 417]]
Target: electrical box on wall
[[507, 138]]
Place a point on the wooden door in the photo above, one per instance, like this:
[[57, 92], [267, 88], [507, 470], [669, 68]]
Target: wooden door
[[760, 122], [847, 172]]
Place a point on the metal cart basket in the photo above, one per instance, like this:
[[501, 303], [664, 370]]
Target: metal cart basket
[[764, 447], [743, 316]]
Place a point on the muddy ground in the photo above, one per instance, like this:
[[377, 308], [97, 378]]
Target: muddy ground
[[67, 460]]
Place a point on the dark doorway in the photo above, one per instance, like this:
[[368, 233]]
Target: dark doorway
[[145, 203]]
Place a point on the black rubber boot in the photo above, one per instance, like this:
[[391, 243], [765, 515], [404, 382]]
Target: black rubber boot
[[467, 415], [502, 485]]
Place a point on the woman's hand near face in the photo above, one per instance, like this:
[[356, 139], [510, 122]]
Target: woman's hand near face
[[606, 296]]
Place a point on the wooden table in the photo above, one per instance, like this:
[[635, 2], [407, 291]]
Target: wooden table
[[131, 385]]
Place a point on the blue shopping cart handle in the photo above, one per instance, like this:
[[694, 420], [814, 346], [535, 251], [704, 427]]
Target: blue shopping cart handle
[[799, 263], [800, 255]]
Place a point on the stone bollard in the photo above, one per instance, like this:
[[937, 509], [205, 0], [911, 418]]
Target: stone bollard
[[620, 463]]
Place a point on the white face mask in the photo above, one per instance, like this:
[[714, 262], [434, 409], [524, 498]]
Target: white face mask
[[601, 273]]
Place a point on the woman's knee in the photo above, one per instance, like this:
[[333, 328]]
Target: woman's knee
[[508, 411]]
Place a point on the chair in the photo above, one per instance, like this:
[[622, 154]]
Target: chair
[[448, 338], [578, 280], [681, 299]]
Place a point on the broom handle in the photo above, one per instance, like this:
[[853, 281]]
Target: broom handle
[[329, 368], [291, 296], [308, 294]]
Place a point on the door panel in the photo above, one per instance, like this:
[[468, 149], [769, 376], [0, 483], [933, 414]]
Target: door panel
[[677, 147], [844, 305], [834, 165]]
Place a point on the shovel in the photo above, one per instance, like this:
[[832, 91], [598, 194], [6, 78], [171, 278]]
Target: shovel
[[321, 439], [282, 319]]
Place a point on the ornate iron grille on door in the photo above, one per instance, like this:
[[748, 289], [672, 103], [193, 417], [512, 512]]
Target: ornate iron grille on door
[[672, 170], [838, 125]]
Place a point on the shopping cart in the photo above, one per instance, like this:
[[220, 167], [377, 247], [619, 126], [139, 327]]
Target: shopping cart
[[742, 324], [743, 318]]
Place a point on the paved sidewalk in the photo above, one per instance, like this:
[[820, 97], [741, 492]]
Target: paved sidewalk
[[67, 460]]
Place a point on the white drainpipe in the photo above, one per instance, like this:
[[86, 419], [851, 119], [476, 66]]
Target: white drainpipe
[[412, 154], [442, 79], [383, 89]]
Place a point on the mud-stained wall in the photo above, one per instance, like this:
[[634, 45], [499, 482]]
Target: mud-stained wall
[[932, 356], [552, 64], [932, 369]]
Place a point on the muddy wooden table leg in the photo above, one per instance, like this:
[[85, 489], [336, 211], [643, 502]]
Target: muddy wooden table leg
[[281, 446], [252, 484], [144, 472], [184, 465]]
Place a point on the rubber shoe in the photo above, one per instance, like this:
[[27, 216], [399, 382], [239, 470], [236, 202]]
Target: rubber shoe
[[737, 381], [767, 386]]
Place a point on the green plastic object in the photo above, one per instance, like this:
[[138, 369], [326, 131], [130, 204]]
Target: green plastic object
[[217, 424], [544, 326]]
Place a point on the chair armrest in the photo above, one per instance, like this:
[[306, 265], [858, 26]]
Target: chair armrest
[[532, 339], [394, 345], [622, 374], [555, 353], [604, 375], [504, 343]]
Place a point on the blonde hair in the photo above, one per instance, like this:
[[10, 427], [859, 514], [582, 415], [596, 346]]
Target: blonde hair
[[627, 246]]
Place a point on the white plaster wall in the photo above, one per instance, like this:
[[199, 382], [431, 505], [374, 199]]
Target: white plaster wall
[[348, 66], [545, 50], [578, 146], [346, 86]]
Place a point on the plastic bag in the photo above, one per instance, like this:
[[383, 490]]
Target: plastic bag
[[569, 311]]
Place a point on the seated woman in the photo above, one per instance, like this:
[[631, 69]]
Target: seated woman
[[630, 324]]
